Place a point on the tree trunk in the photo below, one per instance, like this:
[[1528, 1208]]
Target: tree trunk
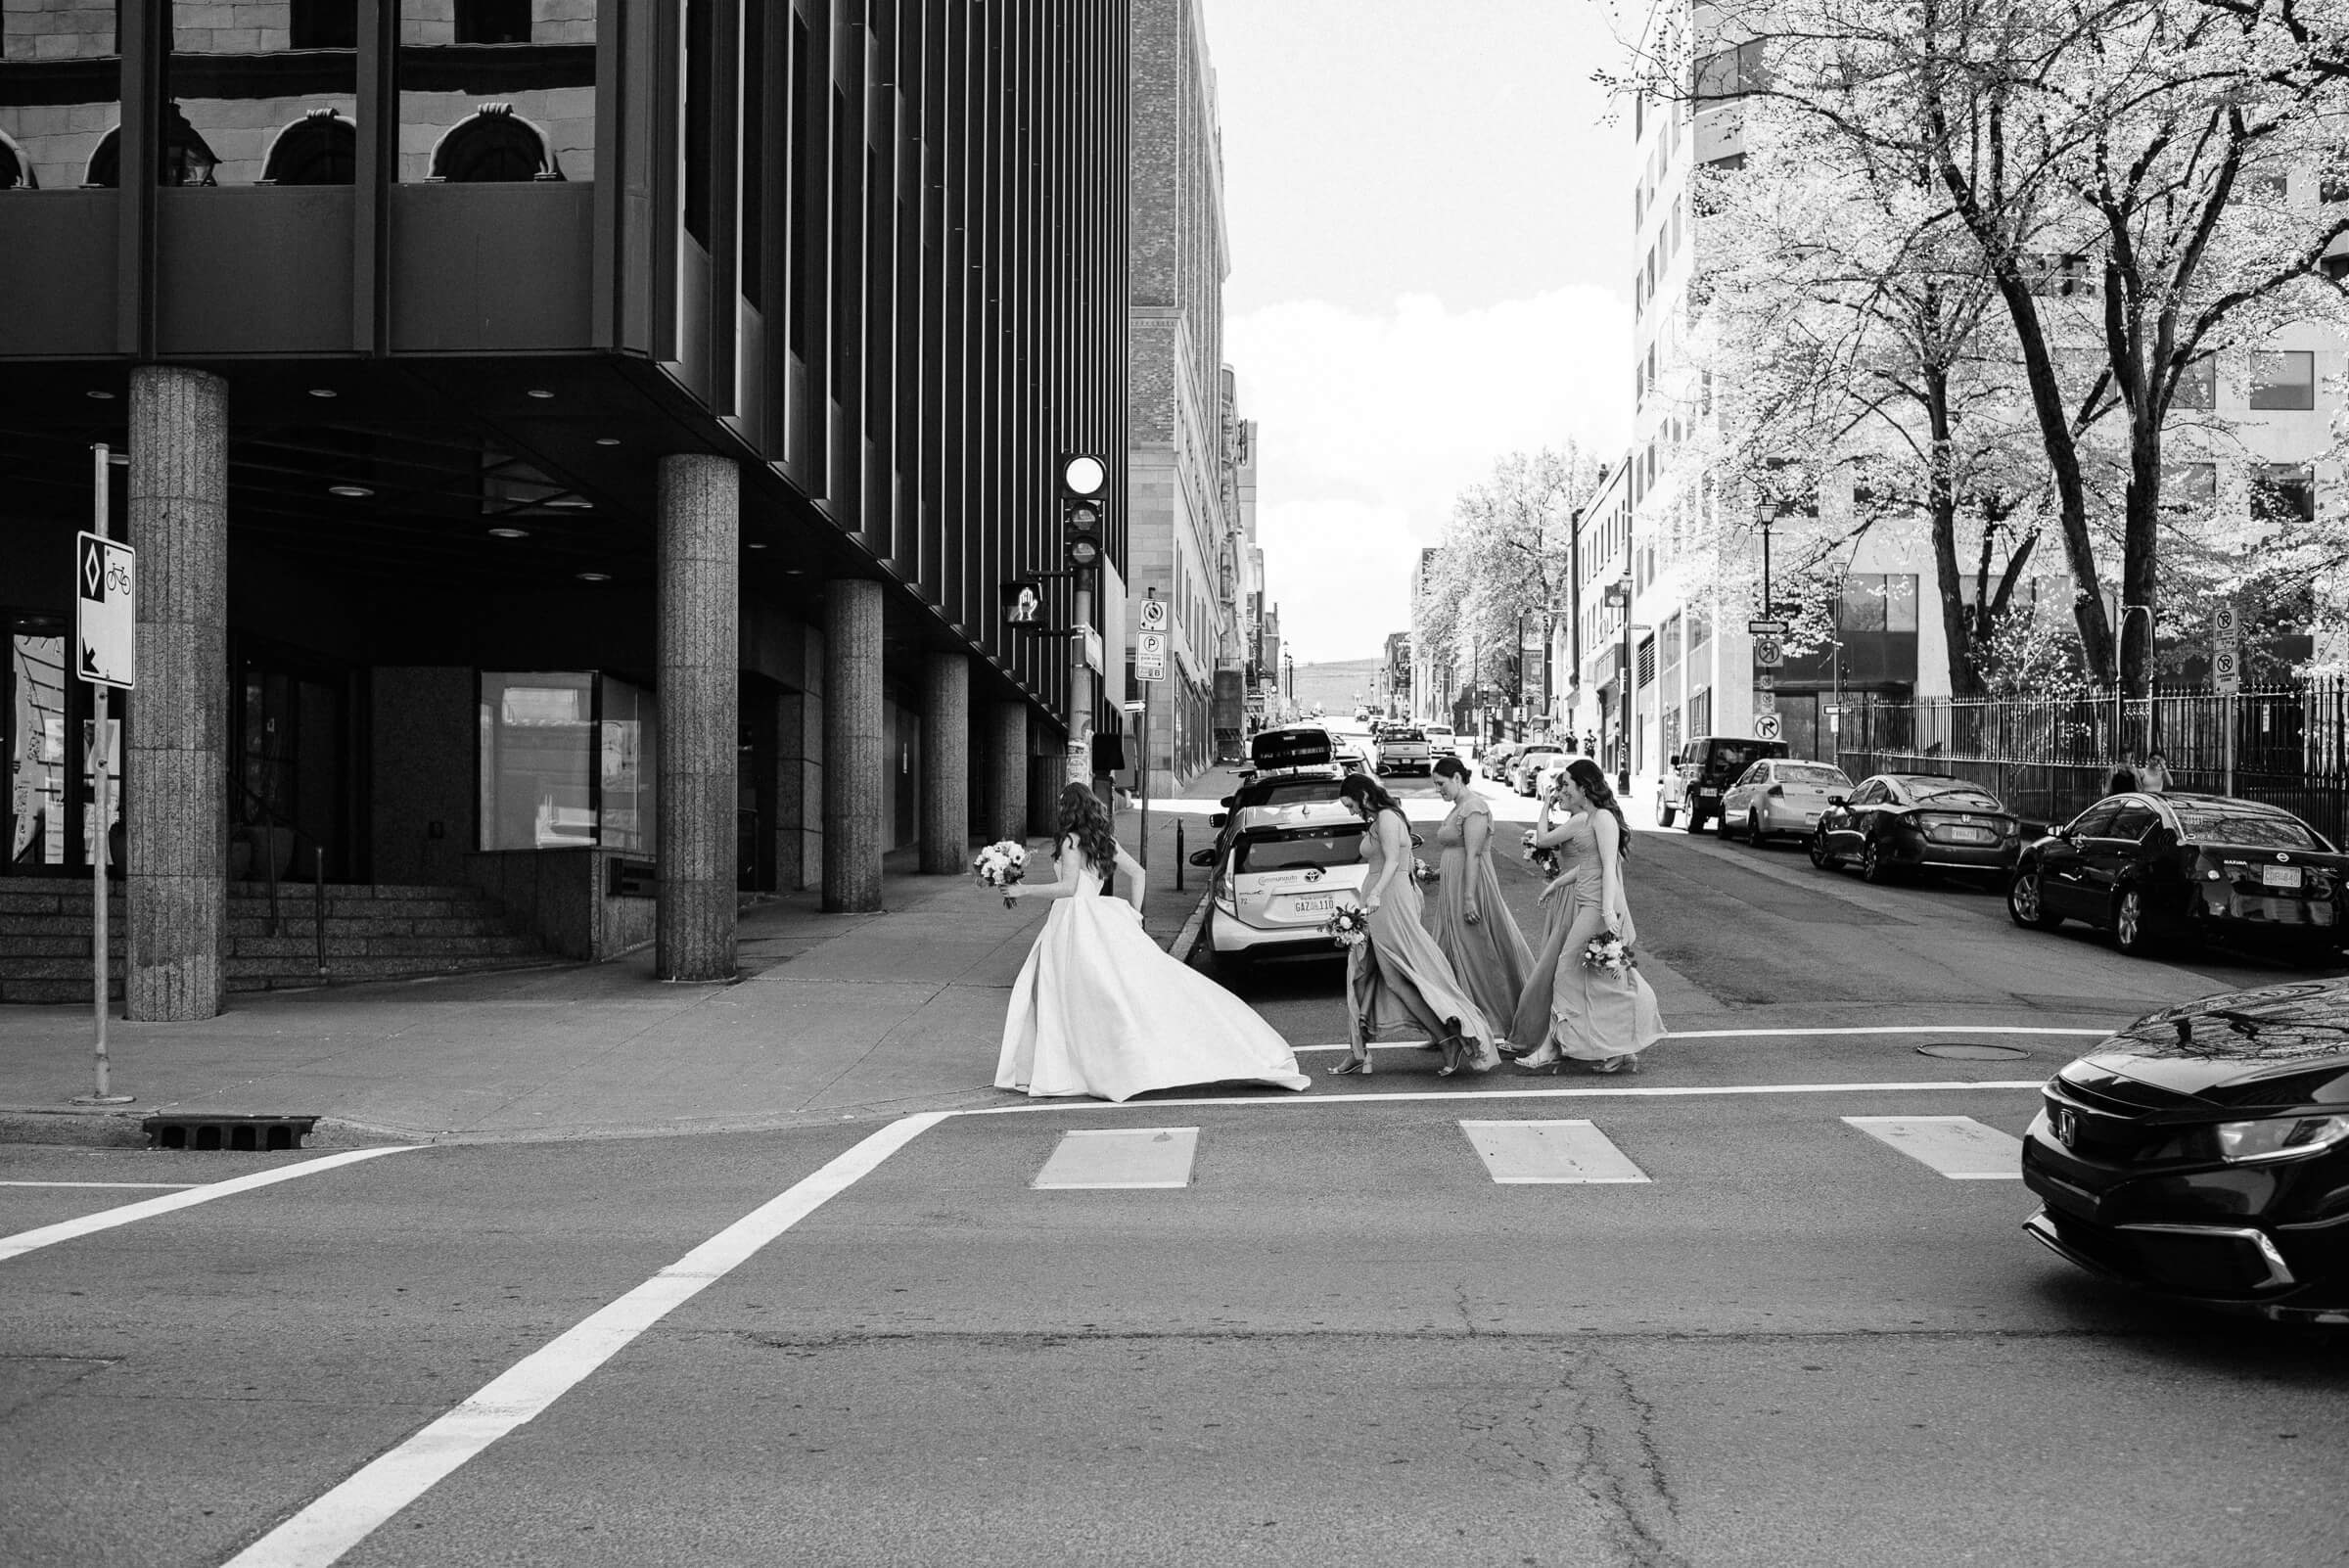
[[1940, 505]]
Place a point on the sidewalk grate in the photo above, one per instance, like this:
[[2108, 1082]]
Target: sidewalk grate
[[251, 1133]]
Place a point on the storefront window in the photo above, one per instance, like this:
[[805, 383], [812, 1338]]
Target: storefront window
[[497, 91], [36, 751], [566, 762], [60, 93]]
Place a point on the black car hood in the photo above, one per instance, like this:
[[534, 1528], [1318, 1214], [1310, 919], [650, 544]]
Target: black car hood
[[2278, 1046]]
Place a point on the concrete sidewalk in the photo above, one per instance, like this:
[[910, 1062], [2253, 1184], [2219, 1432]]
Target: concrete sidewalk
[[834, 1017]]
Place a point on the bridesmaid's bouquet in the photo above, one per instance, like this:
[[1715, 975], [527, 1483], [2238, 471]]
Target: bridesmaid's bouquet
[[1349, 927], [1609, 954], [1544, 861], [1000, 865], [1421, 872]]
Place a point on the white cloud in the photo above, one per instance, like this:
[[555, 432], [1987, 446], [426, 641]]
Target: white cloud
[[1371, 422]]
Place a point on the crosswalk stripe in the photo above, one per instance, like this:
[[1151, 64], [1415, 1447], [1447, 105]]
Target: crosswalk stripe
[[1957, 1146], [1542, 1153], [1122, 1157]]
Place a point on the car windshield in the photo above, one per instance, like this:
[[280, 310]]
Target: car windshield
[[1530, 750], [2260, 829], [1285, 792], [1811, 773], [1299, 849], [1950, 793]]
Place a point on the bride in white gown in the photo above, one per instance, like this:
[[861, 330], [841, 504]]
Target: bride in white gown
[[1100, 1009]]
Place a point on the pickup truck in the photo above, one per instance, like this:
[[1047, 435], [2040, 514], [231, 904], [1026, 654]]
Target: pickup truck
[[1405, 750]]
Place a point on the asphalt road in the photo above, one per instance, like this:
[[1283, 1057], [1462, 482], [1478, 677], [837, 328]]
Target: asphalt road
[[1348, 1335]]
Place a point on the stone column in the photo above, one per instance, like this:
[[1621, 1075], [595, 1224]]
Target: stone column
[[175, 795], [697, 537], [947, 764], [1006, 771], [855, 750]]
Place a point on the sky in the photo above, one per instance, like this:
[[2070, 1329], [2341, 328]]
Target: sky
[[1429, 207]]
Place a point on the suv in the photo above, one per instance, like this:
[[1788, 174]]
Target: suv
[[1702, 770], [1405, 750]]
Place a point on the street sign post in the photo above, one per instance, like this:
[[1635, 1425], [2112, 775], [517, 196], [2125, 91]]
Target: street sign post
[[1765, 627], [1154, 615], [1150, 655], [1769, 652], [2227, 674], [106, 655]]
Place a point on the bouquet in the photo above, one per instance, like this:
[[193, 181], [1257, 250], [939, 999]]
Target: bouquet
[[1544, 861], [1609, 954], [1000, 865], [1349, 927], [1421, 872]]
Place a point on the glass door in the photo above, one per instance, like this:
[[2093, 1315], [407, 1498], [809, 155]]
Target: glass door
[[46, 730]]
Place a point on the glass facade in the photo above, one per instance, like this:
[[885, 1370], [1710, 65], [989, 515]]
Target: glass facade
[[61, 89], [36, 751], [248, 105], [566, 761], [497, 90]]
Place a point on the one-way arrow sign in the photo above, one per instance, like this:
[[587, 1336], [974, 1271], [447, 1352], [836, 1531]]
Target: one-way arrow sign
[[105, 586]]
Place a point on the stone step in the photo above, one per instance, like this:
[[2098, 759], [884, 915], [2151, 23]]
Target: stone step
[[303, 908], [357, 890], [243, 927], [273, 974], [305, 946], [53, 992]]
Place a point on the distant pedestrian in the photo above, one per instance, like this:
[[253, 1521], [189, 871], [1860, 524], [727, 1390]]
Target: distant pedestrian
[[2155, 776], [2123, 780]]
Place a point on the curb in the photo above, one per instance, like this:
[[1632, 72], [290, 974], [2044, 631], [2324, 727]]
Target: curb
[[1188, 936], [121, 1126]]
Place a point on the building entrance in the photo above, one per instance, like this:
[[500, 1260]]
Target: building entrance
[[291, 795], [46, 730]]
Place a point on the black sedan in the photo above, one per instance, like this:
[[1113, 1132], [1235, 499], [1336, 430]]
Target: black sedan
[[1897, 822], [2152, 868], [2204, 1153]]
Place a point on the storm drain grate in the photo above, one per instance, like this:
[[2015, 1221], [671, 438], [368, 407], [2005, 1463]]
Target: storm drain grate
[[255, 1134], [1962, 1052]]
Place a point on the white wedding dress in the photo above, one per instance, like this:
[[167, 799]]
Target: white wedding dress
[[1100, 1009]]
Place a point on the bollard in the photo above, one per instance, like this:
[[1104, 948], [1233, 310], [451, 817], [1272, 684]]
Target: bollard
[[318, 904], [1179, 860]]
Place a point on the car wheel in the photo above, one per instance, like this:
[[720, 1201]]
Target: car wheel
[[2132, 932], [1664, 813], [1696, 820], [1874, 865], [2025, 905], [1820, 856], [1722, 829], [1753, 830]]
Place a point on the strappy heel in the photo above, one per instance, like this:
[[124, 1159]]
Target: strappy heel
[[1453, 1047], [1353, 1064]]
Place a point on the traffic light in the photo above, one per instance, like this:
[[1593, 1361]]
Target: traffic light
[[1084, 494]]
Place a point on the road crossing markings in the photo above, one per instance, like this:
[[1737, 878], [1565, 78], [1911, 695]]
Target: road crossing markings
[[173, 1186], [1655, 1091], [25, 1241], [1122, 1157], [1550, 1153], [1789, 1034], [1957, 1146], [351, 1512]]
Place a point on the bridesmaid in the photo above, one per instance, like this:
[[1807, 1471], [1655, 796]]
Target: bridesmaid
[[1474, 928], [1529, 1023], [1602, 1019], [1398, 982]]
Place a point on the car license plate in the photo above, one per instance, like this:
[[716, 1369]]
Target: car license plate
[[2279, 876], [1973, 835], [1312, 902]]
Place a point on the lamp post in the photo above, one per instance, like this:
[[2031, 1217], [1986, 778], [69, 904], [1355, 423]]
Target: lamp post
[[1619, 594], [1766, 514], [2120, 693]]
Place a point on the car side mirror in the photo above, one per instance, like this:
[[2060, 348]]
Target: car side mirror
[[1227, 800], [2061, 830], [1218, 819], [1675, 760], [1203, 858], [1837, 799]]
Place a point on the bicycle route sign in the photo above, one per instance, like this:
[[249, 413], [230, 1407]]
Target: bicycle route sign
[[107, 627]]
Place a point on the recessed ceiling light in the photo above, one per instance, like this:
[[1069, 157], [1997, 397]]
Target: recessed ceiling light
[[102, 397], [595, 576], [509, 533], [355, 492], [573, 503], [537, 392], [757, 544], [322, 391], [607, 440], [793, 572]]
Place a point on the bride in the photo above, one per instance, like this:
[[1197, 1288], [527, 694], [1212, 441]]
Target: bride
[[1100, 1009]]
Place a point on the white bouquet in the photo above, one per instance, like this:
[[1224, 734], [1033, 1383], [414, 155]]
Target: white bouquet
[[1000, 865], [1609, 954], [1421, 872], [1349, 927]]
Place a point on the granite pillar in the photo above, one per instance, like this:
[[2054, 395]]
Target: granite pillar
[[1007, 771], [856, 746], [175, 797], [947, 764], [697, 538]]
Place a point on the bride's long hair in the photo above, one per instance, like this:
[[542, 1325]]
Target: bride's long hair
[[1085, 820]]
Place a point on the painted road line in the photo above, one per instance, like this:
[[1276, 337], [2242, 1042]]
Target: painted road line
[[170, 1186], [1122, 1157], [1550, 1153], [1788, 1034], [1406, 1097], [25, 1241], [1957, 1146], [346, 1515]]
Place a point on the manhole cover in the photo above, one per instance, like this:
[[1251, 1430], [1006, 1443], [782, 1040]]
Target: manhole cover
[[1973, 1054]]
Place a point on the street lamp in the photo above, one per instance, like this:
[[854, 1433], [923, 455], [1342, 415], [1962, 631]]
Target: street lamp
[[2120, 692], [1766, 514]]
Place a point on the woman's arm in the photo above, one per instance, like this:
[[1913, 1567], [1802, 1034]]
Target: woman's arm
[[1395, 840], [1136, 879], [1065, 887], [1476, 835], [1610, 866]]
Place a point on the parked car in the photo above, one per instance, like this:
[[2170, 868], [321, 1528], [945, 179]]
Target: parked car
[[1405, 750], [1546, 776], [2202, 1153], [1441, 739], [1701, 770], [1780, 795], [1355, 736], [1529, 756], [1290, 786], [2154, 868], [1495, 764], [1279, 873], [1895, 823]]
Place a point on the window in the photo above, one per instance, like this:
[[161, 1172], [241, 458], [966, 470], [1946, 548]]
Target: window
[[2097, 820], [1878, 602], [539, 59], [2132, 822], [2257, 829], [566, 762], [492, 146], [319, 149], [493, 21], [324, 25], [2189, 487], [1700, 712], [2283, 491], [1730, 74], [2197, 385], [2261, 190], [2283, 379]]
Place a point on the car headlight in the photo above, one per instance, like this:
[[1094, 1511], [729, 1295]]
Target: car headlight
[[2278, 1137]]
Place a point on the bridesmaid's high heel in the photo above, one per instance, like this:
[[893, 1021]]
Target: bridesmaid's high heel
[[1353, 1064], [1549, 1059], [1454, 1050]]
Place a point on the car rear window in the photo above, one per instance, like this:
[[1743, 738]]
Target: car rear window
[[1299, 849], [1812, 773], [1286, 792], [1735, 757], [1952, 796], [2260, 829]]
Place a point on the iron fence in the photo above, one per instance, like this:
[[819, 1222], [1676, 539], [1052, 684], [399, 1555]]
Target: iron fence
[[2047, 759]]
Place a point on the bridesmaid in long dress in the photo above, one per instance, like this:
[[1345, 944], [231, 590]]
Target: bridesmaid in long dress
[[1397, 984], [1529, 1024], [1601, 1018], [1474, 928]]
